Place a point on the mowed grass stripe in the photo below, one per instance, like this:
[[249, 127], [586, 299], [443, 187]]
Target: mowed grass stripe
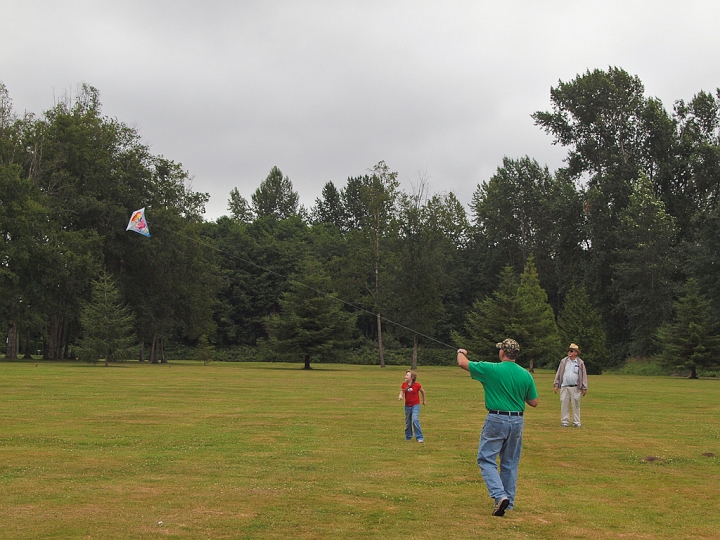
[[247, 450]]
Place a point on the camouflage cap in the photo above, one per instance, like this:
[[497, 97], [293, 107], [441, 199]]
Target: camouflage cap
[[510, 346]]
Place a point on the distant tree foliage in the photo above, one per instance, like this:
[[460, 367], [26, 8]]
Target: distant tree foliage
[[239, 207], [603, 245], [646, 265], [330, 208]]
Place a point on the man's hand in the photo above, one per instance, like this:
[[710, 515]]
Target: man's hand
[[555, 389], [462, 359]]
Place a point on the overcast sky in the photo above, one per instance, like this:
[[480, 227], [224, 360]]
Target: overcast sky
[[324, 90]]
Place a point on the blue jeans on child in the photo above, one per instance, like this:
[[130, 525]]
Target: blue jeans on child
[[412, 422], [500, 435]]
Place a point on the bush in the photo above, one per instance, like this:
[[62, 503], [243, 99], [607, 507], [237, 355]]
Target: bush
[[364, 355], [642, 366], [399, 357]]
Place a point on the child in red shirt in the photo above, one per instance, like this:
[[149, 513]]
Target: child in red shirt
[[412, 391]]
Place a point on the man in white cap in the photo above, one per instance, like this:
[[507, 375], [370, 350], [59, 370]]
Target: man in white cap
[[572, 381]]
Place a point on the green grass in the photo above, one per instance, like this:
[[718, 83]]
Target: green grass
[[247, 450]]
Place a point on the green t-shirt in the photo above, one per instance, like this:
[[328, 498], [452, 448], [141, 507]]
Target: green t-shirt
[[506, 385]]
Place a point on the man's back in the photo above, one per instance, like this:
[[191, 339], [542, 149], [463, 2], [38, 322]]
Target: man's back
[[507, 385]]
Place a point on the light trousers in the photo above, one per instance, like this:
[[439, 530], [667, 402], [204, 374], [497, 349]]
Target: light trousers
[[570, 395]]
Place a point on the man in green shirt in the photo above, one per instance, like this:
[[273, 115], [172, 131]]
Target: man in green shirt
[[508, 387]]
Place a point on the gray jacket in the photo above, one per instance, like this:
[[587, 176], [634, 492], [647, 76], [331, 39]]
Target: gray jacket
[[582, 373]]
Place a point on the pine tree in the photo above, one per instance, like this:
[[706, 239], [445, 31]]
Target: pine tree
[[580, 323], [107, 324], [275, 197], [692, 340], [535, 329], [310, 321], [491, 320]]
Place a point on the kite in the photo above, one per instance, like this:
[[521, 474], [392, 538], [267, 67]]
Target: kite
[[138, 224]]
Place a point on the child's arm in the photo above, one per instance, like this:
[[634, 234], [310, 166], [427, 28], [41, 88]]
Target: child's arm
[[402, 393], [422, 392]]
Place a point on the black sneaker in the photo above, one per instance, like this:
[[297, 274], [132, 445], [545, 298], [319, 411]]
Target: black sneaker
[[500, 507]]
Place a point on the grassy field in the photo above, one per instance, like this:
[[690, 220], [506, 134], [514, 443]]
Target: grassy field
[[240, 450]]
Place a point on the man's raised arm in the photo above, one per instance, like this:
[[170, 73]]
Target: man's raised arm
[[462, 359]]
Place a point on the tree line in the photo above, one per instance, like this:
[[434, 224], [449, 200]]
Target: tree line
[[608, 251]]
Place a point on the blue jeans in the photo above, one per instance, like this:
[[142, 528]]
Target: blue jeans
[[501, 435], [412, 422]]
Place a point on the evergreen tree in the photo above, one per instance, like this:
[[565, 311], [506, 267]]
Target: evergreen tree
[[311, 322], [703, 258], [692, 340], [579, 322], [330, 208], [491, 320], [205, 350], [535, 329], [107, 324], [519, 311], [275, 197]]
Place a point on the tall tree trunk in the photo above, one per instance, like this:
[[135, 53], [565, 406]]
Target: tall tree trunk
[[415, 351], [53, 345], [28, 345], [142, 351], [381, 350], [12, 341], [65, 338], [49, 349], [693, 373], [307, 362], [153, 350], [532, 366], [161, 352]]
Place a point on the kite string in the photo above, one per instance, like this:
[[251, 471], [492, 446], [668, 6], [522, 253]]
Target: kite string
[[288, 278]]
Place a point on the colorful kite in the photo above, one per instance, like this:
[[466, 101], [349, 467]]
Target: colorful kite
[[138, 224]]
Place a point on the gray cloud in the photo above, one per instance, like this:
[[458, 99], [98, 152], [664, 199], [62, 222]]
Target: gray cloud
[[324, 90]]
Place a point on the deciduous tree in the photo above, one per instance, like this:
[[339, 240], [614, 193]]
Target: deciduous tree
[[647, 263]]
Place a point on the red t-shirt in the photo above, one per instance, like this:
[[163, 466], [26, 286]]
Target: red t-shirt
[[412, 396]]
